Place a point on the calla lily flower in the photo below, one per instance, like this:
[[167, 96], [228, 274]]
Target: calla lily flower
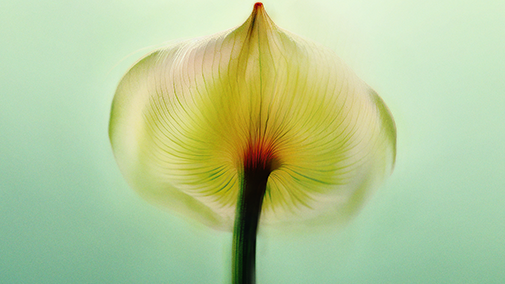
[[251, 125]]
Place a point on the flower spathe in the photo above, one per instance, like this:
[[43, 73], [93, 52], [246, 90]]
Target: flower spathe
[[187, 119]]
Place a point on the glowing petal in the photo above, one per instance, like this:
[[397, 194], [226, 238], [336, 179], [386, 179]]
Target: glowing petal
[[184, 118]]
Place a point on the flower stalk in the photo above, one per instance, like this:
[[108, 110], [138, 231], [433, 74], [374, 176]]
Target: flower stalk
[[246, 226], [259, 161]]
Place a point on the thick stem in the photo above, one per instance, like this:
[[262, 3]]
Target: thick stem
[[246, 224]]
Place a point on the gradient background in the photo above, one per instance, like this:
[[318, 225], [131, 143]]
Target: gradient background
[[68, 216]]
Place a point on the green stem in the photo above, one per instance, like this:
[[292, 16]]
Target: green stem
[[246, 225]]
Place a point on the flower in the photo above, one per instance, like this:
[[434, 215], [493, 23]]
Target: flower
[[188, 120]]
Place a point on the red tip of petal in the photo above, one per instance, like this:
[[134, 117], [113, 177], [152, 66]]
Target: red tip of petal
[[258, 5]]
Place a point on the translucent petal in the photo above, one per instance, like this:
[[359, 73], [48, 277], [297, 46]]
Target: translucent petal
[[183, 116]]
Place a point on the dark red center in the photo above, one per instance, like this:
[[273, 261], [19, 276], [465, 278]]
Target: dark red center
[[260, 156]]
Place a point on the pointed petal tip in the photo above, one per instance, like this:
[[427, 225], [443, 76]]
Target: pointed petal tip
[[258, 9], [259, 15]]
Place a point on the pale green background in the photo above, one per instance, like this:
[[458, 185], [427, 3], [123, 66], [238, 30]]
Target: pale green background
[[68, 216]]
